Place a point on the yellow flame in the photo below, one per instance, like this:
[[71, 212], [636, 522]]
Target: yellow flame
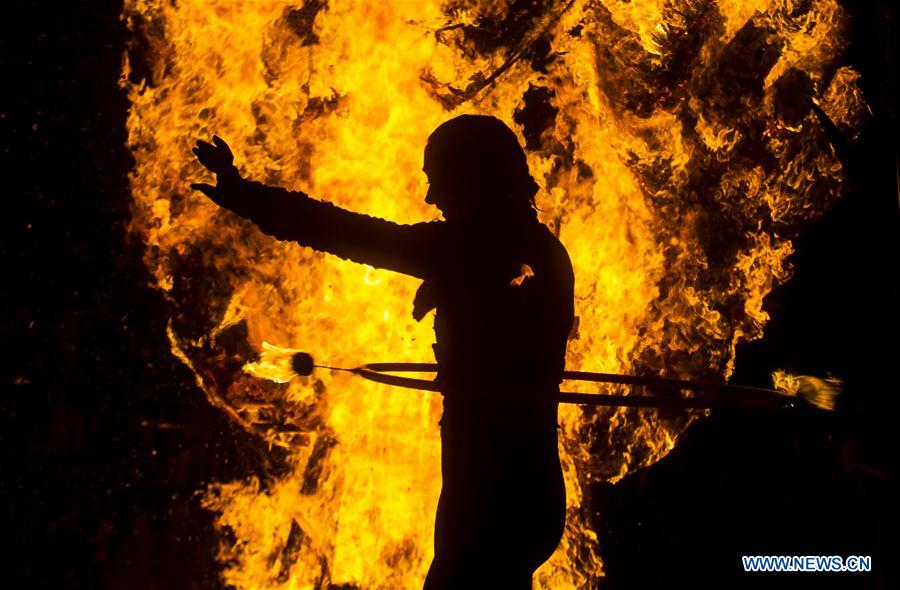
[[677, 201], [821, 392], [274, 363]]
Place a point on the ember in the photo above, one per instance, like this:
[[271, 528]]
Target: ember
[[677, 165]]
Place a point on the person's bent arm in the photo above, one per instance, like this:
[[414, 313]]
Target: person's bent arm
[[320, 225]]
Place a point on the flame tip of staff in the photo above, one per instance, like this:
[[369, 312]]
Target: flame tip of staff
[[302, 363], [820, 392]]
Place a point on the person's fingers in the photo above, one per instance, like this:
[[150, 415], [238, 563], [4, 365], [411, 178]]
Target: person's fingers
[[202, 158], [207, 189], [209, 156], [213, 157], [206, 160], [205, 145], [224, 150]]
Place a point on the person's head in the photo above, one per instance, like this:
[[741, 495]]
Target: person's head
[[475, 166]]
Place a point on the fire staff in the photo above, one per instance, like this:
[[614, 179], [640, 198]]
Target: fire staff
[[502, 286]]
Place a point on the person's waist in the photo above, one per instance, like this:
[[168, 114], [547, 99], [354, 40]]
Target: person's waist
[[475, 379], [467, 368], [498, 414], [501, 402]]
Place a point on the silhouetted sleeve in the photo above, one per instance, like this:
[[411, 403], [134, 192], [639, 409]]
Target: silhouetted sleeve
[[294, 216]]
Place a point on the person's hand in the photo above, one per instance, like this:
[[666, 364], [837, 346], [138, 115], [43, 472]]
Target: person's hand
[[217, 158]]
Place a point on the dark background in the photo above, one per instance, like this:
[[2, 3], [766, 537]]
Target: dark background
[[104, 438]]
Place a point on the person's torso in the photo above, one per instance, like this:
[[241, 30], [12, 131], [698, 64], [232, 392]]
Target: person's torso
[[504, 301]]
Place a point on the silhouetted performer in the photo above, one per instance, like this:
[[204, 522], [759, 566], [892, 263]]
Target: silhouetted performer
[[502, 285]]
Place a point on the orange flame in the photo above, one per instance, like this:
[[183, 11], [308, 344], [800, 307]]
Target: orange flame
[[676, 166], [525, 273]]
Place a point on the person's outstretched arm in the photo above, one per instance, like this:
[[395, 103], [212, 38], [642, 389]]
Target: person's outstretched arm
[[294, 216]]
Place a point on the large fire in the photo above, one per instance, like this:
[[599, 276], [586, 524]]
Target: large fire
[[678, 158]]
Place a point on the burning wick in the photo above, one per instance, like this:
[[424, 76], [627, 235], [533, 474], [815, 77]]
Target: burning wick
[[821, 393], [302, 363], [281, 364]]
